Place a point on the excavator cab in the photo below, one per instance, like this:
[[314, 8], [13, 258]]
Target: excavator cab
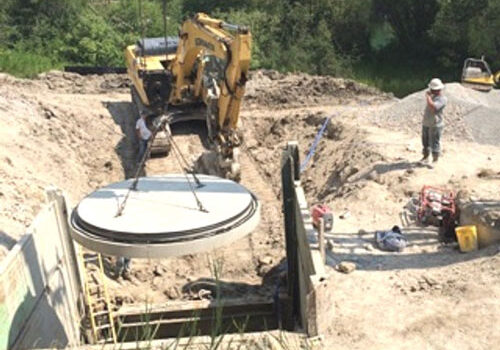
[[477, 75]]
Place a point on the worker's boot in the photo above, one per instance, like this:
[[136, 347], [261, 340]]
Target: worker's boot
[[126, 274], [425, 157], [435, 157]]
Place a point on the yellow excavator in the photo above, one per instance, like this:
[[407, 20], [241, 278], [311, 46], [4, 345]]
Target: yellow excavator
[[476, 74], [200, 74]]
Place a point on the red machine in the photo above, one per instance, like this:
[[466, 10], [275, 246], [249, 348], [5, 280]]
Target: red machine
[[437, 207], [322, 211]]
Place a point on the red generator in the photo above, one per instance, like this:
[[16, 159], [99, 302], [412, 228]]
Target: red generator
[[437, 207], [322, 211]]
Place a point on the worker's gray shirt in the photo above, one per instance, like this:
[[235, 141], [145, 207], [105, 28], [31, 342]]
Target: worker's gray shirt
[[435, 118]]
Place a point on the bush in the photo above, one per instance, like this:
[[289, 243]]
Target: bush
[[25, 64]]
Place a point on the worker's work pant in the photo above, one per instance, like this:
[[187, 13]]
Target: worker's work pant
[[431, 140], [143, 145], [122, 264]]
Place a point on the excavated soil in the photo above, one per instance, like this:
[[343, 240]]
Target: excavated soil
[[271, 89], [77, 133]]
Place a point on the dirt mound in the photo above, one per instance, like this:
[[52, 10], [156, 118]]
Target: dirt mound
[[267, 88], [469, 115], [50, 139], [64, 82], [340, 163]]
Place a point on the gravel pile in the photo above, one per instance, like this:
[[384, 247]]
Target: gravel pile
[[470, 115]]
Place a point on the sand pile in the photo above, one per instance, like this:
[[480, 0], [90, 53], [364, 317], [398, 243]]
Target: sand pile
[[267, 88], [470, 115]]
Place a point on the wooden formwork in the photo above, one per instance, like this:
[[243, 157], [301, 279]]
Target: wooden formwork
[[306, 272]]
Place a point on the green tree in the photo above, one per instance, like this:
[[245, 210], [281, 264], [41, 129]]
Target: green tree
[[410, 21], [467, 28]]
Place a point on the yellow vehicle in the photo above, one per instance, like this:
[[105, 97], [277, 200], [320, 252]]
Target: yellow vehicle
[[476, 74], [199, 75]]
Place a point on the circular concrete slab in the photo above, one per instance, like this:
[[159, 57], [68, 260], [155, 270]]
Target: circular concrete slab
[[162, 219]]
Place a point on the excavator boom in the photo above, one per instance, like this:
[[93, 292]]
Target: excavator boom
[[210, 67]]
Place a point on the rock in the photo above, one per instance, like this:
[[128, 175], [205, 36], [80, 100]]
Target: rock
[[486, 173], [172, 293], [345, 215], [314, 119], [430, 281], [158, 271], [334, 130], [265, 260], [346, 267], [263, 270]]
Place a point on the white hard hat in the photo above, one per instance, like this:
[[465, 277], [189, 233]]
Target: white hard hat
[[436, 84]]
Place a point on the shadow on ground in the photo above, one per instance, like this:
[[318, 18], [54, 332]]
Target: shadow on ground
[[425, 250], [124, 115]]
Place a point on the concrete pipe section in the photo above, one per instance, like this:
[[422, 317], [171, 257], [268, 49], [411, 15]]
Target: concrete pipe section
[[161, 217]]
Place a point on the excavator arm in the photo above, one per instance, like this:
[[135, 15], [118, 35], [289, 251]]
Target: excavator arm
[[206, 66], [212, 64]]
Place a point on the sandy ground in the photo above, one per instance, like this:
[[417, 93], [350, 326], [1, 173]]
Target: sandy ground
[[75, 133]]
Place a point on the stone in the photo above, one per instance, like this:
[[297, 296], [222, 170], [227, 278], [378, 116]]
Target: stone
[[158, 271], [172, 293], [345, 215], [265, 260], [346, 267]]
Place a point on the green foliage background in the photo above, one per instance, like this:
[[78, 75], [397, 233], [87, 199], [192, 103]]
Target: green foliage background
[[396, 45]]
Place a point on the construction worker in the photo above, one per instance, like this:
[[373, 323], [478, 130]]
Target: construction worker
[[433, 123], [123, 267], [143, 135]]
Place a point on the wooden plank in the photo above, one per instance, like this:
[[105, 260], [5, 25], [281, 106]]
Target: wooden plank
[[304, 252], [287, 177]]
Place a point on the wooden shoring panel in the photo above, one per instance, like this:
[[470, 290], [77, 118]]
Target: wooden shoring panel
[[289, 165], [305, 267]]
